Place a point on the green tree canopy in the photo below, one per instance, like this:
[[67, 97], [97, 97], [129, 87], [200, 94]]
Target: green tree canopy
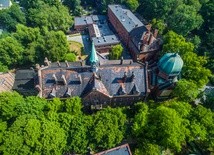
[[116, 52], [108, 128], [9, 18], [186, 90], [11, 51], [52, 17], [132, 4], [184, 19]]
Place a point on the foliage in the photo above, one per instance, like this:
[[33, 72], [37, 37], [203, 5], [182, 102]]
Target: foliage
[[52, 17], [9, 18], [70, 57], [132, 4], [186, 90], [3, 68], [116, 52], [184, 19], [159, 9], [159, 25], [108, 128], [11, 51], [74, 6]]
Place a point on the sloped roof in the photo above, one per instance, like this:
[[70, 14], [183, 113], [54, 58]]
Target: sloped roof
[[81, 80], [6, 81], [120, 150], [170, 63]]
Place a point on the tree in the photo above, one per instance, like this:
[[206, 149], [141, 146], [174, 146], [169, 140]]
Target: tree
[[159, 9], [70, 57], [55, 45], [176, 43], [32, 40], [9, 18], [11, 51], [73, 106], [186, 90], [3, 68], [184, 19], [108, 128], [159, 25], [74, 6], [30, 135], [116, 52], [202, 127], [52, 17], [132, 4], [8, 105]]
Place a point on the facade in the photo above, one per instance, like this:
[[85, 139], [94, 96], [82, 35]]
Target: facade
[[4, 4], [141, 42], [165, 74], [101, 82], [99, 31]]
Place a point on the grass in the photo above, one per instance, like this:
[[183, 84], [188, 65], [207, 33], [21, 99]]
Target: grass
[[77, 48]]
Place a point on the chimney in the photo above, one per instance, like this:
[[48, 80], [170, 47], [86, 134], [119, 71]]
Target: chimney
[[37, 66], [38, 88], [150, 39], [156, 33], [68, 93], [64, 79], [133, 76], [149, 26], [124, 76], [121, 60], [67, 64], [53, 93], [80, 78], [58, 63], [54, 77], [46, 61]]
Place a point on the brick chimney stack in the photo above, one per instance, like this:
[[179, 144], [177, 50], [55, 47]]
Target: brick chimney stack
[[54, 77], [64, 80], [67, 64], [46, 61]]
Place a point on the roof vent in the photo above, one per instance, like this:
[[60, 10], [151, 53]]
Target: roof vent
[[68, 92], [54, 77], [53, 93]]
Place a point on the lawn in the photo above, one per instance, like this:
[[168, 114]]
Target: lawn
[[77, 48]]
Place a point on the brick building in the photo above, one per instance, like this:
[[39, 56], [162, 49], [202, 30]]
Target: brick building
[[101, 82], [141, 42]]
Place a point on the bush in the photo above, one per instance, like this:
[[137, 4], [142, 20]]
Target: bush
[[70, 57]]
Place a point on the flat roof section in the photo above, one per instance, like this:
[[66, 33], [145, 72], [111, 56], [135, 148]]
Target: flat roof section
[[126, 17], [106, 40]]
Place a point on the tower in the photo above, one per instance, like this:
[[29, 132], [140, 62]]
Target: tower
[[93, 59], [169, 69]]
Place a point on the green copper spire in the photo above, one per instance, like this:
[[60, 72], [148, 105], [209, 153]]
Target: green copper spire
[[93, 56]]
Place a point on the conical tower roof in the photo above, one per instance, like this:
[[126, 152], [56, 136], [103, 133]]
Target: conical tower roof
[[93, 59]]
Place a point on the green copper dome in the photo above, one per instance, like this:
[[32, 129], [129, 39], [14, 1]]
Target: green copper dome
[[170, 64], [93, 56]]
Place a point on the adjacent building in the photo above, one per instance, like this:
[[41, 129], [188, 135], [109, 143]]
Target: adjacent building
[[120, 150], [99, 31], [4, 4], [6, 81], [140, 40]]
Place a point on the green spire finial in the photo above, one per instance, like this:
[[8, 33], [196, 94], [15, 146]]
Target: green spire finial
[[93, 56]]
